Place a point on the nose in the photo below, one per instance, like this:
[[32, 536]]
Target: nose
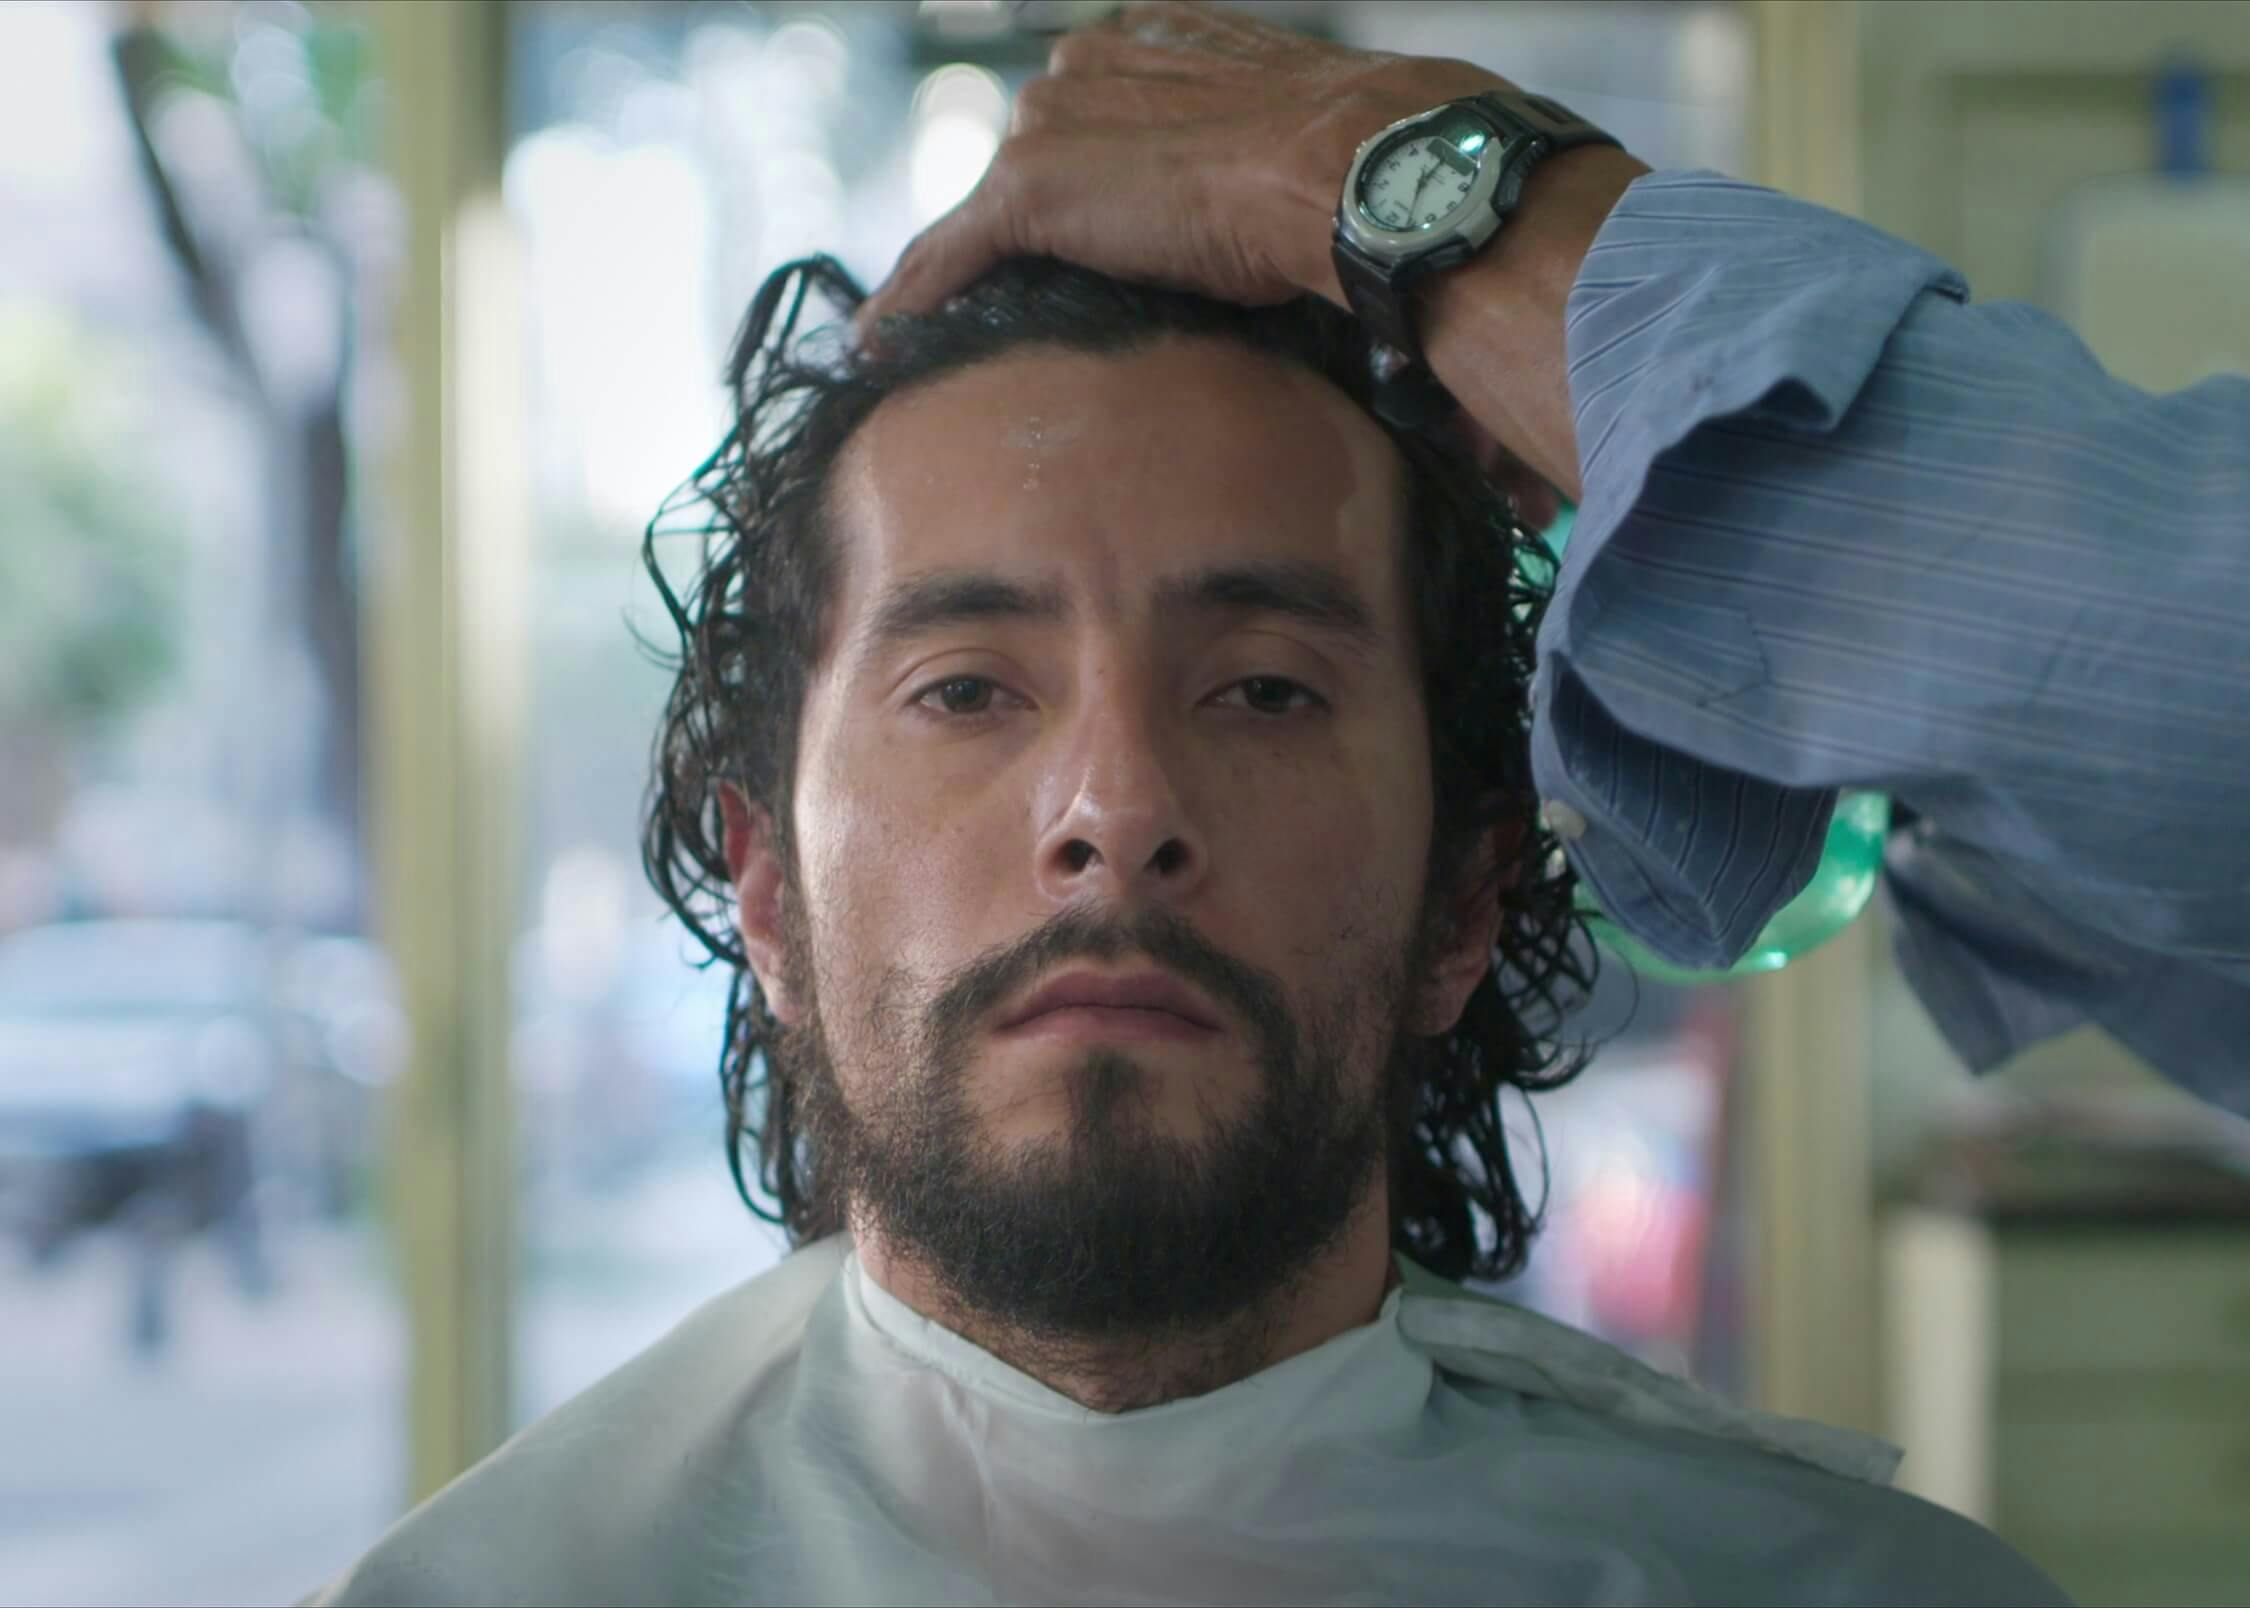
[[1115, 825]]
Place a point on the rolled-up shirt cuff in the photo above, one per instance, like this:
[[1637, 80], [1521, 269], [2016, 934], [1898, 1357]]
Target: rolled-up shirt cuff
[[1691, 859], [1702, 299]]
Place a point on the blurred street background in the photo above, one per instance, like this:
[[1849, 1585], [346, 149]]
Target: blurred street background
[[356, 1106]]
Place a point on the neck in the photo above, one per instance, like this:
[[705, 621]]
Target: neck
[[1342, 1289]]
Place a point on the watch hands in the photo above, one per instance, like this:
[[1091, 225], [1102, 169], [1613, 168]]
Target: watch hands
[[1419, 185]]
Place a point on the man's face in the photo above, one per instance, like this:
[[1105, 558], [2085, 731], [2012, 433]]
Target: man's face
[[1118, 690]]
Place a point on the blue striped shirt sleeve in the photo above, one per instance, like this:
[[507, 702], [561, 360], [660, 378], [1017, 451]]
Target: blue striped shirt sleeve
[[1843, 528]]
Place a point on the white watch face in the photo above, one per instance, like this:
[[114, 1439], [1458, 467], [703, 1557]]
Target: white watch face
[[1422, 180]]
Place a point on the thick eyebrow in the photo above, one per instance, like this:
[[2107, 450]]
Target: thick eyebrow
[[926, 603], [1296, 589], [1311, 594]]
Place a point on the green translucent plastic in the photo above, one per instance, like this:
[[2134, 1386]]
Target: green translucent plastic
[[1840, 889]]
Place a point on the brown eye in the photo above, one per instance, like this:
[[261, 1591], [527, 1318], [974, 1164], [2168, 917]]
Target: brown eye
[[962, 695], [1272, 695]]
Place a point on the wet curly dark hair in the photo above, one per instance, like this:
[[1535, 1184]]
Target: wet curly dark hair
[[751, 622]]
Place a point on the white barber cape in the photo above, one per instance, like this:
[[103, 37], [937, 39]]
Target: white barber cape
[[808, 1438]]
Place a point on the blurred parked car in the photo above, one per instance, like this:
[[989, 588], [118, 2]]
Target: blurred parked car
[[174, 1078]]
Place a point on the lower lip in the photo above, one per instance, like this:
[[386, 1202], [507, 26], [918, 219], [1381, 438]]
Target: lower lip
[[1112, 1023]]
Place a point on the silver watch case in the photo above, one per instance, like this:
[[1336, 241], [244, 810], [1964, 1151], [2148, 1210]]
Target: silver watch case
[[1476, 219]]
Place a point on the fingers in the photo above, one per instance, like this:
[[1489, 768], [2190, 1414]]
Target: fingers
[[1118, 102], [955, 250], [1175, 22], [1189, 27], [1172, 38], [947, 255], [1098, 50], [1139, 115]]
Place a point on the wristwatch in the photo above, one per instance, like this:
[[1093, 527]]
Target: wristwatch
[[1428, 192]]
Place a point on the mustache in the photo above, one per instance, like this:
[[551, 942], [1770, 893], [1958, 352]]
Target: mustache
[[1086, 933]]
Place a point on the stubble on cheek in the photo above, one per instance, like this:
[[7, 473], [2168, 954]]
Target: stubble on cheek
[[869, 1003]]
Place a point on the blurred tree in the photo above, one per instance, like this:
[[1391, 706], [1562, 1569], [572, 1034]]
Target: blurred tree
[[258, 127], [89, 570]]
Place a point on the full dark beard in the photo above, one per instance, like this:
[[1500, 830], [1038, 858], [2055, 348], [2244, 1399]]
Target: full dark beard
[[1112, 1228]]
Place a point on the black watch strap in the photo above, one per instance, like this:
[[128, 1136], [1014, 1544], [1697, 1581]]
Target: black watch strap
[[1378, 300], [1560, 127]]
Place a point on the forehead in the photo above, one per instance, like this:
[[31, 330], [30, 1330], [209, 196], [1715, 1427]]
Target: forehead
[[1102, 474]]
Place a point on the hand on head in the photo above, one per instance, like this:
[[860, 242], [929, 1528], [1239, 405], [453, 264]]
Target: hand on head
[[1179, 145]]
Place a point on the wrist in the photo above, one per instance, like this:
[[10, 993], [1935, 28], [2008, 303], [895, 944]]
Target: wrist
[[1493, 328], [1535, 259]]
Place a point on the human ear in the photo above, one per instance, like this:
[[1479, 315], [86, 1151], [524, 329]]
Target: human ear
[[1468, 931], [754, 867]]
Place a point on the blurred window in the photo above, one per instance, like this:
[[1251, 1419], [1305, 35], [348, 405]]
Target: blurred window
[[201, 1354]]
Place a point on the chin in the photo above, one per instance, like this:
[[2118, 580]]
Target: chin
[[1108, 1091]]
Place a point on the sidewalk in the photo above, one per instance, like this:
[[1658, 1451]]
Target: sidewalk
[[263, 1450], [245, 1463]]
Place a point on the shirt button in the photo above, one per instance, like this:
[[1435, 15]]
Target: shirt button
[[1562, 820]]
